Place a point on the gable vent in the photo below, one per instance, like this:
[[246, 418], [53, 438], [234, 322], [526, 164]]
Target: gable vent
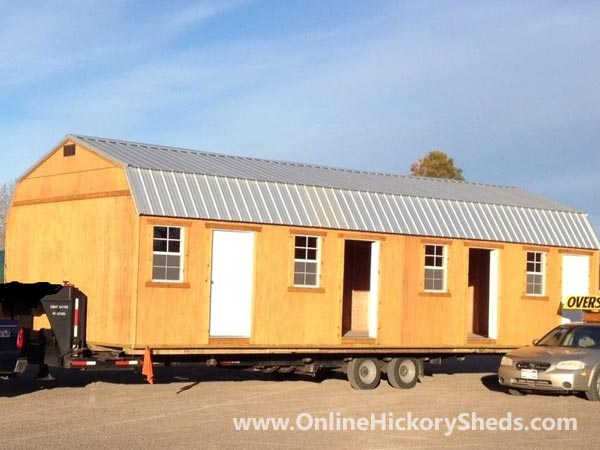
[[69, 150]]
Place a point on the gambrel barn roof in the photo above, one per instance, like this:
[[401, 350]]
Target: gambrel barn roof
[[174, 182]]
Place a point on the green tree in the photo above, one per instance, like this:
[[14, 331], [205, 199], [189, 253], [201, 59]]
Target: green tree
[[436, 164]]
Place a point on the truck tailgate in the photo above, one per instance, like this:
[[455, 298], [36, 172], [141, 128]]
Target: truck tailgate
[[9, 353]]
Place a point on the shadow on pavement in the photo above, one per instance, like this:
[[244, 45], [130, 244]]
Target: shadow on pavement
[[73, 378], [471, 364], [491, 383], [194, 375]]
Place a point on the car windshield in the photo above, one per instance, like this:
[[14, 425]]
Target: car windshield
[[581, 337]]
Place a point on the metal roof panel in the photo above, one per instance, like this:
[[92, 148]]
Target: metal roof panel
[[163, 158]]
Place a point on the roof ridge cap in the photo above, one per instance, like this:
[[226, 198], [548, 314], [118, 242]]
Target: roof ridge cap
[[290, 163]]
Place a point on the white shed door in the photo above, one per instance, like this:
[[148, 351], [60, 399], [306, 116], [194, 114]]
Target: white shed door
[[232, 278], [575, 281]]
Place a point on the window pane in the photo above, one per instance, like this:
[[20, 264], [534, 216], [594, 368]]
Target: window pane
[[299, 279], [429, 273], [429, 285], [434, 255], [533, 279], [312, 242], [311, 254], [534, 284], [311, 267], [311, 280], [159, 260], [159, 245], [174, 233], [160, 232], [158, 273], [299, 267], [300, 253], [173, 261], [434, 279], [174, 246], [300, 241], [173, 274]]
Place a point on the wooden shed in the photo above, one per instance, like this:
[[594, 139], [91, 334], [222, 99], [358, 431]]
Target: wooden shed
[[188, 251]]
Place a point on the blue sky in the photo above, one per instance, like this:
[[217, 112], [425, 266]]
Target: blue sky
[[508, 88]]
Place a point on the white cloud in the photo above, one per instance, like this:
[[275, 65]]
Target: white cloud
[[198, 13], [509, 91], [44, 40]]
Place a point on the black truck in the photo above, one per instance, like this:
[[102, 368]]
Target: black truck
[[19, 344], [17, 302], [13, 359], [61, 345]]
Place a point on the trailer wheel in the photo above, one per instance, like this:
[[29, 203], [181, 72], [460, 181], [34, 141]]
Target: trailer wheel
[[403, 373], [593, 393], [364, 373]]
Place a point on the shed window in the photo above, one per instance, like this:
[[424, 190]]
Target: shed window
[[536, 273], [435, 268], [167, 261], [69, 150], [306, 261]]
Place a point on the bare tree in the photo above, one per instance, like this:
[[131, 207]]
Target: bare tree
[[6, 193]]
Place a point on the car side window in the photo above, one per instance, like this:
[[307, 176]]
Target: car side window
[[585, 337], [556, 337]]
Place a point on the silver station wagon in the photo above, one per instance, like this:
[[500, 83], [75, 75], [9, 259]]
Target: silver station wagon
[[565, 360]]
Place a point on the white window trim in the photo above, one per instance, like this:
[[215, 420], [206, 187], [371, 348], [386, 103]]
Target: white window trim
[[317, 260], [180, 253], [542, 273], [443, 268]]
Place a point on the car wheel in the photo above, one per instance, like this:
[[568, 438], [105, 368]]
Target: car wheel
[[403, 373], [364, 373], [593, 393], [517, 392]]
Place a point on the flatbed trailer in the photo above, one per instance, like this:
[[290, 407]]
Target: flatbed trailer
[[64, 345]]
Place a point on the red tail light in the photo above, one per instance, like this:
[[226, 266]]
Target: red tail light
[[20, 339]]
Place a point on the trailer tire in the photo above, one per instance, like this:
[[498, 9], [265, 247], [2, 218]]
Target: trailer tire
[[593, 393], [403, 373], [364, 373]]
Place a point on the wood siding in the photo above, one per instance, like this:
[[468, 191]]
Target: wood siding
[[178, 316], [73, 219], [57, 234]]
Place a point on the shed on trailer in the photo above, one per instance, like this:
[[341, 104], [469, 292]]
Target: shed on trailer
[[194, 252]]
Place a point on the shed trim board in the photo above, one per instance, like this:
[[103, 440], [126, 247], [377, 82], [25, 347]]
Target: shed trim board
[[375, 281]]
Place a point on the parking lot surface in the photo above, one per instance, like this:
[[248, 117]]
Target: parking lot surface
[[196, 407]]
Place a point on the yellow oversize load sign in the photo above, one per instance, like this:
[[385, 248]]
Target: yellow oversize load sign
[[581, 303]]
